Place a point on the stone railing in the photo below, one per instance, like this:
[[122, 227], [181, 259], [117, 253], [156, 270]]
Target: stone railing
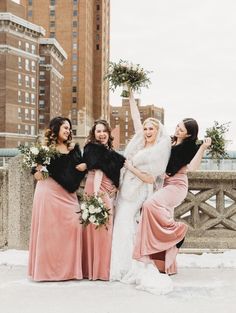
[[209, 209]]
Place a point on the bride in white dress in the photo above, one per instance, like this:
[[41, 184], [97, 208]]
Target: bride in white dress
[[147, 155]]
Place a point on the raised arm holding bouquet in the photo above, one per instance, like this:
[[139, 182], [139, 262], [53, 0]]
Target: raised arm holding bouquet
[[127, 75]]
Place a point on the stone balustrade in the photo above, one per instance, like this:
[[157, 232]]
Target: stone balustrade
[[209, 208]]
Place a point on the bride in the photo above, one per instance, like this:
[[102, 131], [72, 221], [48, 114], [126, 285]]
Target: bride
[[147, 155]]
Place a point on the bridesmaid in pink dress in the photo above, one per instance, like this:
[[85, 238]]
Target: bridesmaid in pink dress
[[159, 236], [55, 250], [103, 165]]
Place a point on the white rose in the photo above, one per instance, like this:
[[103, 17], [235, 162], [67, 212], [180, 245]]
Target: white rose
[[85, 215], [34, 150], [92, 219], [91, 209], [100, 200], [45, 148], [98, 210], [83, 206]]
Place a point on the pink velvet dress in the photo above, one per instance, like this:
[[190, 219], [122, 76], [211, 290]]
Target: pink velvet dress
[[158, 232], [55, 251], [97, 242]]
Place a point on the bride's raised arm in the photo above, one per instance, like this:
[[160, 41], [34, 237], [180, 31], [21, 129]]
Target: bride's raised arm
[[135, 113]]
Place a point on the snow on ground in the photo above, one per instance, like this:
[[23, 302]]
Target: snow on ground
[[225, 259]]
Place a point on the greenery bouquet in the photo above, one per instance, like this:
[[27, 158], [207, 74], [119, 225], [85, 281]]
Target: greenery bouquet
[[36, 155], [128, 75]]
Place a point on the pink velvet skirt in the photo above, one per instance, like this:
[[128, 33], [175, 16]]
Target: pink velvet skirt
[[158, 232], [55, 251], [97, 242]]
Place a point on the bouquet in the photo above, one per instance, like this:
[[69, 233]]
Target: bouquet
[[93, 211], [217, 132], [128, 75], [36, 155]]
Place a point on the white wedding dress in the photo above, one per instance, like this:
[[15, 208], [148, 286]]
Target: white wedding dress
[[133, 192]]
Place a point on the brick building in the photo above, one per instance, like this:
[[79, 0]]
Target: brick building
[[19, 56], [82, 29]]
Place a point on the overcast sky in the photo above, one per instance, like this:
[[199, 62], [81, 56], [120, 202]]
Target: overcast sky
[[190, 45]]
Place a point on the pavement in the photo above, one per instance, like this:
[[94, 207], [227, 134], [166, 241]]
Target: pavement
[[195, 290]]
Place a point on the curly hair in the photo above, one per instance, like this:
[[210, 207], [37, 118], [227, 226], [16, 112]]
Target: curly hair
[[91, 136], [52, 132]]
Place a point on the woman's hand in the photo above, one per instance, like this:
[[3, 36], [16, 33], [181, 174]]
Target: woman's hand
[[38, 175], [206, 143], [81, 167], [128, 164]]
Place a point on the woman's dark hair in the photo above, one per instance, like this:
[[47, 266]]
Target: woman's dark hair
[[91, 136], [191, 126], [51, 134]]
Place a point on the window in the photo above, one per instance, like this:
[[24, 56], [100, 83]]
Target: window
[[27, 99], [33, 67], [30, 2], [19, 62], [19, 80], [41, 104], [126, 113], [74, 122], [74, 79], [27, 129], [52, 23], [52, 34], [74, 100], [52, 12], [41, 75], [52, 2], [26, 114], [75, 13], [19, 112], [126, 134], [74, 34], [19, 128], [33, 82], [32, 130], [33, 49], [75, 2], [27, 65], [97, 47], [42, 60], [27, 83], [74, 57], [19, 96], [41, 90], [27, 46], [32, 98], [19, 44], [74, 68], [30, 13], [126, 126], [74, 23], [41, 119], [74, 111], [97, 37], [74, 89], [74, 45], [98, 27], [74, 132], [32, 115], [98, 7]]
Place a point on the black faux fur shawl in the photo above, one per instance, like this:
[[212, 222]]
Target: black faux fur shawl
[[97, 156], [62, 169], [180, 156]]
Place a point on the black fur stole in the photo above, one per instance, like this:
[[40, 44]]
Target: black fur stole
[[97, 156], [62, 169], [180, 156]]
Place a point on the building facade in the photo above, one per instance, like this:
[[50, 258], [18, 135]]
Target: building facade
[[120, 117], [19, 56], [82, 29], [52, 57]]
